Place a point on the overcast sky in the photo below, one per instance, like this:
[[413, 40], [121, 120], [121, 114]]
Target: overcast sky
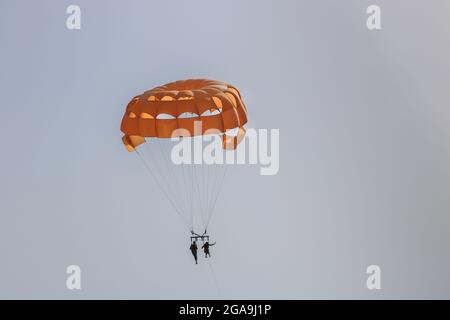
[[364, 149]]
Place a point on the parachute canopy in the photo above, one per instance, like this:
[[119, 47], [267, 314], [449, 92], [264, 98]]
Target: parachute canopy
[[173, 109]]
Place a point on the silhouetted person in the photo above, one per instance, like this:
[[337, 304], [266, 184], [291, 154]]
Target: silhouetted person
[[205, 248], [193, 249]]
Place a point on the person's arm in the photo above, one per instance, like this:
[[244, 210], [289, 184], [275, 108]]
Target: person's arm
[[203, 246]]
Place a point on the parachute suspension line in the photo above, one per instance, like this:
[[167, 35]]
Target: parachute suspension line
[[199, 179], [207, 192], [217, 193], [210, 188], [207, 169], [214, 179], [204, 170], [198, 193], [218, 177], [207, 186], [191, 187], [175, 187], [182, 171], [166, 182], [187, 190], [182, 186], [171, 175], [189, 180], [160, 186], [158, 181]]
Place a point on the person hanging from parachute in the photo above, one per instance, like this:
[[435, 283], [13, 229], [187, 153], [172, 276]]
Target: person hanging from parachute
[[205, 248], [194, 249], [171, 113]]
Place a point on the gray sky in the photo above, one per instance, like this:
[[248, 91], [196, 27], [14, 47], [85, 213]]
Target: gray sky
[[364, 149]]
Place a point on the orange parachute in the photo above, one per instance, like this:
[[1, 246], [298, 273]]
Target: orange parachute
[[174, 110], [196, 96]]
